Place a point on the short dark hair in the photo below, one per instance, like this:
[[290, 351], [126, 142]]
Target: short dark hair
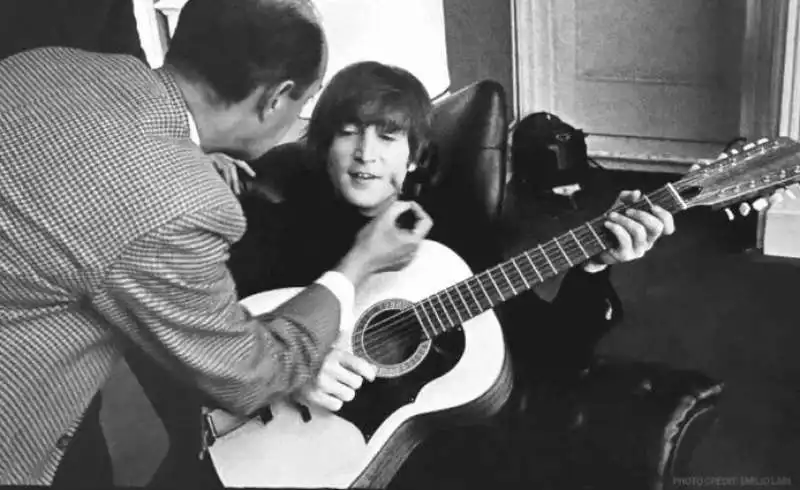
[[371, 93], [235, 46]]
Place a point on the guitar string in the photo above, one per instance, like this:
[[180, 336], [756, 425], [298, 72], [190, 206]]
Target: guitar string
[[551, 245], [408, 328], [404, 322], [403, 325], [505, 289]]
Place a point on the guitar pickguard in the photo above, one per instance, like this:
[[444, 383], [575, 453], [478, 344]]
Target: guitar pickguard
[[378, 399]]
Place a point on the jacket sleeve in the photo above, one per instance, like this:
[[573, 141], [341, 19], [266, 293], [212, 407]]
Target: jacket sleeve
[[172, 294]]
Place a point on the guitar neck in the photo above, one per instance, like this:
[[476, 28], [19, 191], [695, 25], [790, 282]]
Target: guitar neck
[[463, 301]]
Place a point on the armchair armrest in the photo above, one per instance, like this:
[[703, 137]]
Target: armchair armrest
[[621, 424]]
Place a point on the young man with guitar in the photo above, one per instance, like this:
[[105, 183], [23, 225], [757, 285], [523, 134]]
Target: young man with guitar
[[364, 144]]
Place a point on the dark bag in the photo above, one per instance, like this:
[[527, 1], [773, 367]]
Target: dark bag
[[547, 152]]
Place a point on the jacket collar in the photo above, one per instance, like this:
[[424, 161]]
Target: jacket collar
[[174, 93]]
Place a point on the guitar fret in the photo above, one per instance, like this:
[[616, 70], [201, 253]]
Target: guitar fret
[[485, 293], [677, 197], [473, 294], [435, 313], [555, 271], [429, 334], [596, 236], [425, 311], [444, 309], [649, 202], [458, 313], [508, 280], [525, 281], [494, 283], [463, 301], [563, 252], [535, 269], [580, 245]]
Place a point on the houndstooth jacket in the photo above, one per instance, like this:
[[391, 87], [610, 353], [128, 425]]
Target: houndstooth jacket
[[114, 227]]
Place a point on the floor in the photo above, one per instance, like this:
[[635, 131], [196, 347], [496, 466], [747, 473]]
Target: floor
[[696, 301]]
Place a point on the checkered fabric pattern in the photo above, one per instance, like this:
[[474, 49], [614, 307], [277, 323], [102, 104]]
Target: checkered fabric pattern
[[115, 227]]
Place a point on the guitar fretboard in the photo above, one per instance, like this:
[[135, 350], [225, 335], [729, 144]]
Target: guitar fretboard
[[465, 300]]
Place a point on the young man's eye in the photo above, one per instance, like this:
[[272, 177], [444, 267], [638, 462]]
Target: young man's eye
[[348, 129], [390, 136]]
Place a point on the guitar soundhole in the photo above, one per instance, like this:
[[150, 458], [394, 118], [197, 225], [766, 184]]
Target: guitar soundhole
[[389, 335], [387, 342]]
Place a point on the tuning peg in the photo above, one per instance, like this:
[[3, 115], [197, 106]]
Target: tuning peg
[[703, 162], [744, 209], [760, 204], [762, 141], [776, 198], [729, 214]]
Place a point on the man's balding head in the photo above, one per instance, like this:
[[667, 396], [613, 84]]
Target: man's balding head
[[236, 46]]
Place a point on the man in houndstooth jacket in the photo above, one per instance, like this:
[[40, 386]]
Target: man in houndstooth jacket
[[115, 226]]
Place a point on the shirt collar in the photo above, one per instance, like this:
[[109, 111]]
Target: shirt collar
[[193, 134]]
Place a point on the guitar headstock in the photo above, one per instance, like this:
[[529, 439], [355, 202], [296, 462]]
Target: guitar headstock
[[750, 174]]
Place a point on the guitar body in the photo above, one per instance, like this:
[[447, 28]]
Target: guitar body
[[459, 377]]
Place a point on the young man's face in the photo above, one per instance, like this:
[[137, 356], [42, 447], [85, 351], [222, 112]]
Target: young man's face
[[368, 166]]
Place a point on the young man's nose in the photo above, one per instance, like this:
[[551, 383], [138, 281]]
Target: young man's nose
[[367, 145]]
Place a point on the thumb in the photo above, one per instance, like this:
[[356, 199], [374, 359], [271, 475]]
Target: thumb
[[629, 197], [244, 166]]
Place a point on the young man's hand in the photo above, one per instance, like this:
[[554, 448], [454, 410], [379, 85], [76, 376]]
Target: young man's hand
[[341, 375], [386, 243], [636, 231], [228, 169]]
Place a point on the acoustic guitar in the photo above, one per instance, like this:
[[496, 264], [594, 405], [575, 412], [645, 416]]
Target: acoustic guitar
[[438, 346]]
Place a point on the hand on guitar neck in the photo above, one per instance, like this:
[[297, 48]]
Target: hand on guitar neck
[[635, 231]]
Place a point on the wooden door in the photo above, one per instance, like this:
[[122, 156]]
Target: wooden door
[[657, 84]]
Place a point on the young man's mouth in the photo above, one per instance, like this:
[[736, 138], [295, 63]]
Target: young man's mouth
[[363, 176]]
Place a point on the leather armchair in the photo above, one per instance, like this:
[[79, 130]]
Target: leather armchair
[[469, 170]]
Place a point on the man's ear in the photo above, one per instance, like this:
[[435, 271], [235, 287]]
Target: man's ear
[[271, 99]]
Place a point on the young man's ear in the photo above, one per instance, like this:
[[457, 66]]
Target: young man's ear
[[271, 99]]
